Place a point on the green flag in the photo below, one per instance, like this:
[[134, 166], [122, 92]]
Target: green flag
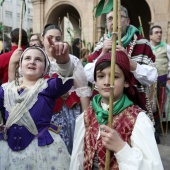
[[0, 28], [104, 7], [2, 1]]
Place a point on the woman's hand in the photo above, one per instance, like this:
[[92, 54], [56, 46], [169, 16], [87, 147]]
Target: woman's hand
[[111, 139], [60, 51]]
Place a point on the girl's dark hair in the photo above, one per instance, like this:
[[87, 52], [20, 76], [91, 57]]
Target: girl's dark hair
[[75, 49], [15, 37], [50, 27]]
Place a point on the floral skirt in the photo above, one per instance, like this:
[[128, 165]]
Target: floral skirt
[[66, 119], [50, 157]]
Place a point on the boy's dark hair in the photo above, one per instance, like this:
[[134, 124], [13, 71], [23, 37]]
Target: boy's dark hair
[[101, 67], [49, 27], [151, 29], [15, 37]]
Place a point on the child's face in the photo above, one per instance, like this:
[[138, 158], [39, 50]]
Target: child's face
[[33, 64], [86, 56], [103, 83], [34, 41]]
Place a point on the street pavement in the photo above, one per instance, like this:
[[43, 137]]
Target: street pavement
[[164, 149]]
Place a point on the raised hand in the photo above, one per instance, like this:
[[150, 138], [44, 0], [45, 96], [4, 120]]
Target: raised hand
[[60, 51], [107, 45], [119, 47]]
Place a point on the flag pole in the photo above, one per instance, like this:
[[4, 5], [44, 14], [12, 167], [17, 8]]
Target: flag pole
[[111, 98], [140, 22], [20, 36], [94, 27], [21, 22], [119, 23], [3, 37]]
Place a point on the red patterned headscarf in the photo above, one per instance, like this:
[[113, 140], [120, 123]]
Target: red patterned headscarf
[[122, 61]]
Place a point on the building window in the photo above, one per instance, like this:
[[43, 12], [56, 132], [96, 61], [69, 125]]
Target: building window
[[7, 29], [18, 18], [8, 14], [18, 2], [29, 20], [29, 10]]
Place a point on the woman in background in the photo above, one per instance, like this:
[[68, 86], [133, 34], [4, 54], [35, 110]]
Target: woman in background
[[76, 47]]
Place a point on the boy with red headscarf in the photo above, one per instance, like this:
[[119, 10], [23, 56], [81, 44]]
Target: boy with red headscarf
[[131, 138]]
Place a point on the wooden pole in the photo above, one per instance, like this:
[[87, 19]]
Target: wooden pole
[[119, 23], [21, 22], [94, 28], [20, 39], [59, 22], [160, 117], [140, 22], [167, 116], [94, 33], [3, 32], [111, 98]]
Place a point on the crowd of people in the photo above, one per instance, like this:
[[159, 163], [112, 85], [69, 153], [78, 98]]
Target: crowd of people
[[50, 118]]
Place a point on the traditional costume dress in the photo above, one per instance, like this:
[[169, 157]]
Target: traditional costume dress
[[134, 127], [130, 121], [26, 142], [139, 50], [67, 107]]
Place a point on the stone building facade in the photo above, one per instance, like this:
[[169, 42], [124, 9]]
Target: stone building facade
[[82, 18]]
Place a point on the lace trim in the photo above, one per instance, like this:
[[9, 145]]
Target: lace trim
[[18, 105], [82, 91]]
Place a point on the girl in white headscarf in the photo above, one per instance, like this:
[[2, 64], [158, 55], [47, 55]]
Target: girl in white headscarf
[[25, 139]]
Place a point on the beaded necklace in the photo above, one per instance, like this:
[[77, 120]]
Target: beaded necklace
[[132, 44]]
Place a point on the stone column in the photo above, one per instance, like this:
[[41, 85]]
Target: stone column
[[38, 15]]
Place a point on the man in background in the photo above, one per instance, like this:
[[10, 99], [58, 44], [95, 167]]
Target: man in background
[[162, 62]]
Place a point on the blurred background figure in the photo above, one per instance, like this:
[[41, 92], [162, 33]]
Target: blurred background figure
[[4, 58], [161, 51], [84, 54], [76, 47], [35, 40]]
